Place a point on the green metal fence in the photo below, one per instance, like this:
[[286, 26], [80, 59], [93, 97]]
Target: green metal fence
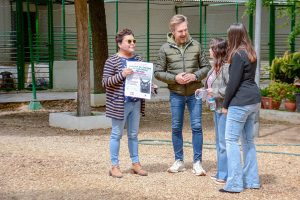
[[54, 33]]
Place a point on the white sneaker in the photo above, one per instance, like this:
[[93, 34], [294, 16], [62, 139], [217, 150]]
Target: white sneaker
[[198, 170], [213, 177], [178, 166]]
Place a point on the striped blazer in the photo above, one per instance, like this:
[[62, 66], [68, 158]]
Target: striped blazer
[[113, 81]]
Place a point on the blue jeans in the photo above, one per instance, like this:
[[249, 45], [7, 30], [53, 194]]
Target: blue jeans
[[132, 117], [195, 110], [239, 124], [220, 124]]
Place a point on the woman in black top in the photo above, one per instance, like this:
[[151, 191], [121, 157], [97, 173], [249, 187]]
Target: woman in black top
[[241, 104]]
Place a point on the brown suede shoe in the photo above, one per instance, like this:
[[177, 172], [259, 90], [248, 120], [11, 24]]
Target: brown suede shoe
[[137, 169], [115, 172]]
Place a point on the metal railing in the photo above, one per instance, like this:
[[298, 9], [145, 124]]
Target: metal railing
[[65, 48]]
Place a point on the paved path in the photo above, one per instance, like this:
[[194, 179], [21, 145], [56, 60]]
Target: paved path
[[41, 96], [15, 97], [163, 95]]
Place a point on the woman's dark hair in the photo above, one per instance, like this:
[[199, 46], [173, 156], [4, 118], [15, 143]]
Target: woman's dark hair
[[121, 34], [238, 40], [219, 48]]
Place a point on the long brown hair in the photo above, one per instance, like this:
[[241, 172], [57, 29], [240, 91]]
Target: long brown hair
[[238, 40], [219, 48]]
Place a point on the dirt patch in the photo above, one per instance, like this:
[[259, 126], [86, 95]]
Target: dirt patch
[[42, 162]]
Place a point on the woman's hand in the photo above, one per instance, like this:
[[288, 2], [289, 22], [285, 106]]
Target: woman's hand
[[127, 71], [224, 111], [209, 92], [198, 90]]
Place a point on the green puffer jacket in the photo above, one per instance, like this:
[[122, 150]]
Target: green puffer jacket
[[173, 60]]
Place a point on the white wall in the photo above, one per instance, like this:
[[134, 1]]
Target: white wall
[[5, 18], [5, 30], [65, 75]]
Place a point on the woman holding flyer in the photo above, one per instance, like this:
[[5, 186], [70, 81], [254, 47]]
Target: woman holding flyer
[[120, 108]]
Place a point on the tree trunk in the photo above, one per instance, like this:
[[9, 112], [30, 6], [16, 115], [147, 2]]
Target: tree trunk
[[100, 47], [83, 59]]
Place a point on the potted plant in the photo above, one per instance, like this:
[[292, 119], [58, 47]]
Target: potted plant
[[266, 101], [290, 97], [285, 68], [277, 91]]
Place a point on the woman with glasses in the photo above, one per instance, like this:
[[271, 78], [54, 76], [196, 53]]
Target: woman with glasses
[[120, 108]]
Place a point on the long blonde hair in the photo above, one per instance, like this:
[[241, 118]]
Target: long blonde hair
[[238, 40]]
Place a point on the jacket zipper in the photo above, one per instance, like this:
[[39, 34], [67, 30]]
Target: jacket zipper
[[183, 61]]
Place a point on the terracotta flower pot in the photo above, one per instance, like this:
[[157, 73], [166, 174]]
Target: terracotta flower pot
[[290, 106], [275, 105], [266, 102]]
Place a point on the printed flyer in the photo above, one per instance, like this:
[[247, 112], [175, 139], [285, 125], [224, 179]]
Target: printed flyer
[[139, 83]]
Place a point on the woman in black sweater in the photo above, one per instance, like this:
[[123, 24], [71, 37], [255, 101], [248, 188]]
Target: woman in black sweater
[[241, 104]]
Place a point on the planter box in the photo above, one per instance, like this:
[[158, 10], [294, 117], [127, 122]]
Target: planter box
[[69, 120]]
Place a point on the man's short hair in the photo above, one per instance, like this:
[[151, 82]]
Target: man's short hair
[[175, 20]]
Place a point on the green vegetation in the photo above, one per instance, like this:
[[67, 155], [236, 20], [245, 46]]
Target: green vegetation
[[286, 68]]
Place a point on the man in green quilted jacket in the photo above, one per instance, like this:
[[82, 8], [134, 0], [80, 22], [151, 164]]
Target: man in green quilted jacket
[[182, 64]]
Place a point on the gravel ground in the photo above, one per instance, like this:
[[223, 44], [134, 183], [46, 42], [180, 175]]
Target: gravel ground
[[42, 162]]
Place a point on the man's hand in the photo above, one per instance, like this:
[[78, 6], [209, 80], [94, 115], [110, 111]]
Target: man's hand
[[180, 78], [184, 78], [189, 77], [127, 71]]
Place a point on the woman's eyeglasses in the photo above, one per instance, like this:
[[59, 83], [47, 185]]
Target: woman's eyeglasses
[[131, 41]]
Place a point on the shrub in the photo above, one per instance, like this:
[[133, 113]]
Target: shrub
[[264, 92], [291, 90], [285, 68], [277, 90]]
